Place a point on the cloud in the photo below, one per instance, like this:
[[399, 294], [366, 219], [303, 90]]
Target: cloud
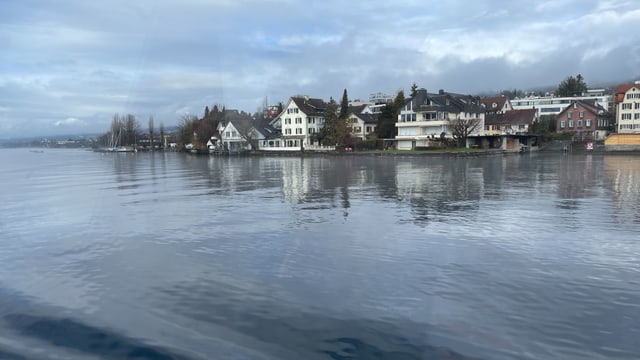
[[69, 122], [88, 60]]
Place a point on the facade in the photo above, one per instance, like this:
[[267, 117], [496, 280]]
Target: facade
[[586, 120], [362, 121], [429, 116], [512, 122], [301, 121], [551, 105], [628, 108]]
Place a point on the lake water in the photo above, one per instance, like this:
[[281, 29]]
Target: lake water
[[159, 256]]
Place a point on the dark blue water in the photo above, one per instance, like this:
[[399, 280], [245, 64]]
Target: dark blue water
[[161, 256]]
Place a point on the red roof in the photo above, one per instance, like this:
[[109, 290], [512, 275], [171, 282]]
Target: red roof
[[621, 90]]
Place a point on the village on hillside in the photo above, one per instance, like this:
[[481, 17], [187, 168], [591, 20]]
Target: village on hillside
[[607, 119]]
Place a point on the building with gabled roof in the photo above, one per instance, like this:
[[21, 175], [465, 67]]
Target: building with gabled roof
[[587, 120], [496, 104], [362, 121], [627, 100], [512, 122], [427, 116], [301, 120]]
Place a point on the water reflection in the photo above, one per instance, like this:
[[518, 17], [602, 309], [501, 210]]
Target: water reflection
[[623, 178]]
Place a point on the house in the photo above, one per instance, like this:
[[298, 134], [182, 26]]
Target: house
[[242, 133], [426, 117], [627, 104], [496, 104], [511, 122], [587, 120], [300, 121], [362, 121]]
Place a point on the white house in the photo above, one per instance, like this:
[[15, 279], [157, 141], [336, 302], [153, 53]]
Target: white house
[[301, 121], [628, 108], [362, 121], [427, 116]]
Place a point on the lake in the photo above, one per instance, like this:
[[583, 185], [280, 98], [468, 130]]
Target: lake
[[167, 255]]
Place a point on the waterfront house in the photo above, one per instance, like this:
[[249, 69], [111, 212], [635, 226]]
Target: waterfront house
[[512, 122], [586, 120], [362, 121], [426, 117], [627, 100], [300, 122]]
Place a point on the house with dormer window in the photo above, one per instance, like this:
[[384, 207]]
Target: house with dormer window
[[586, 120], [627, 100], [362, 121], [496, 104], [300, 122], [426, 117]]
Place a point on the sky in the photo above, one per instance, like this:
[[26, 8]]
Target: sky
[[67, 66]]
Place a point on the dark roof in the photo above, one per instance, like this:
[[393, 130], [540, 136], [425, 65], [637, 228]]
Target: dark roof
[[356, 109], [493, 119], [517, 117], [489, 101], [446, 102], [265, 128], [367, 118], [309, 106], [511, 117]]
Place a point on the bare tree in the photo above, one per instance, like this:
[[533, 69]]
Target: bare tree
[[248, 132], [151, 133], [161, 130], [462, 128]]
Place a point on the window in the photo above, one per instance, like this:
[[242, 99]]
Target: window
[[636, 116], [368, 128], [637, 106], [626, 106], [626, 116], [298, 131], [587, 123], [570, 123], [569, 115], [563, 124], [575, 105], [579, 123], [298, 120], [233, 133], [581, 114], [287, 121], [287, 131], [227, 134]]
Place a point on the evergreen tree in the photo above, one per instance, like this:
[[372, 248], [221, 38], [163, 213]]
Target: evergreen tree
[[328, 132], [206, 112], [572, 86], [414, 89], [389, 116], [344, 106]]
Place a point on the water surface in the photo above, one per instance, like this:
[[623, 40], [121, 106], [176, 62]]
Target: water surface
[[165, 256]]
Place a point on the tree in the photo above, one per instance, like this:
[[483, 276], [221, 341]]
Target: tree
[[414, 89], [344, 106], [161, 130], [328, 132], [131, 130], [571, 86], [151, 133], [389, 116], [206, 112], [461, 128], [187, 129], [247, 132]]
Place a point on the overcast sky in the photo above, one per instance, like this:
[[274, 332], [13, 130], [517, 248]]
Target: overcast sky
[[67, 66]]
